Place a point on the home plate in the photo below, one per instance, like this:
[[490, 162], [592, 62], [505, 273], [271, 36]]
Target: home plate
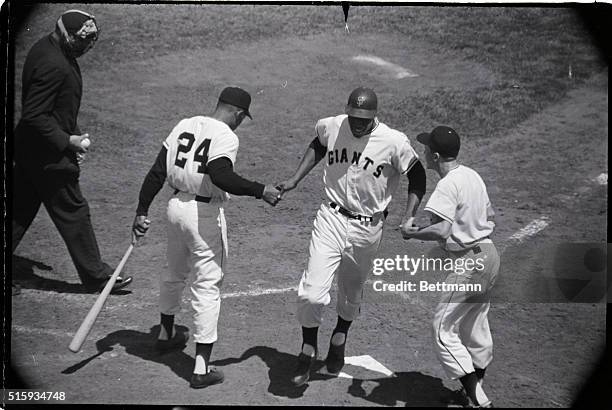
[[367, 362]]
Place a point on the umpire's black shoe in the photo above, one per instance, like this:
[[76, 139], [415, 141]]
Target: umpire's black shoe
[[302, 370], [199, 381], [335, 358], [178, 342], [98, 286]]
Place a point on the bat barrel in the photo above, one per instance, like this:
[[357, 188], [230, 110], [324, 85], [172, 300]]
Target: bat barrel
[[92, 315]]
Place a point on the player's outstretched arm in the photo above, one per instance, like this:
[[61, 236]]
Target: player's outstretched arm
[[313, 155], [416, 190], [152, 184]]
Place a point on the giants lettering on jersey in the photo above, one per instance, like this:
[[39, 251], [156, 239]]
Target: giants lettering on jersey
[[339, 156]]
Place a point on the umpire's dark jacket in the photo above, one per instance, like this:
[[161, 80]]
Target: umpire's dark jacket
[[51, 96]]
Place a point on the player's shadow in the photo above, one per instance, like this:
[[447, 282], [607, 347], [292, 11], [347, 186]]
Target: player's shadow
[[24, 276], [140, 344], [281, 367], [413, 388]]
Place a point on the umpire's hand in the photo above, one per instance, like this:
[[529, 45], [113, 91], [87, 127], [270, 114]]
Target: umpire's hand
[[139, 227]]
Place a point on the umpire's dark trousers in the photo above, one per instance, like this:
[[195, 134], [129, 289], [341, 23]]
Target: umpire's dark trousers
[[59, 191]]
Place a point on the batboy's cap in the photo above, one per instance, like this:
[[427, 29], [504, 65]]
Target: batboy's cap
[[237, 97], [443, 140]]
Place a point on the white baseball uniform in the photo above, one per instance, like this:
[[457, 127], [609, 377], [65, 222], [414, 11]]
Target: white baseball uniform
[[197, 233], [461, 333], [360, 176]]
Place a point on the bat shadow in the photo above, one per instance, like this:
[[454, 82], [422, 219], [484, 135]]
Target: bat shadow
[[413, 388], [24, 276], [140, 344], [280, 370]]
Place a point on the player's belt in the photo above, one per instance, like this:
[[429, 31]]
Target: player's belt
[[353, 215], [198, 198]]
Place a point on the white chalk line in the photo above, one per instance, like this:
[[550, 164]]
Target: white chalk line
[[257, 292], [530, 230], [397, 70]]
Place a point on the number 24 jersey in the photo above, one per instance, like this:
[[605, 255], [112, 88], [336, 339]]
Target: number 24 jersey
[[191, 145]]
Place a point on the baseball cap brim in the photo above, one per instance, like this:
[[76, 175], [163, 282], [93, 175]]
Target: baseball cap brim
[[359, 113], [424, 138]]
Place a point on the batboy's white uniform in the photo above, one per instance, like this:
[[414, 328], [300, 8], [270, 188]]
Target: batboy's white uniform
[[360, 175], [462, 338], [197, 233]]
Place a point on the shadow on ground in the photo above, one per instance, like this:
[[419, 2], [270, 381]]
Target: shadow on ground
[[140, 344], [281, 366], [413, 388], [24, 276]]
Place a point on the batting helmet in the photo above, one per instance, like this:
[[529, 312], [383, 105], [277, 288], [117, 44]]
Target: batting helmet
[[362, 103]]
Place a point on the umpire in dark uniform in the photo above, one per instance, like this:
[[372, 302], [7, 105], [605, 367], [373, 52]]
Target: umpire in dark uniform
[[48, 147]]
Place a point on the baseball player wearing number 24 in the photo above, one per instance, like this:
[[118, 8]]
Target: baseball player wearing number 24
[[197, 160], [462, 220], [364, 161]]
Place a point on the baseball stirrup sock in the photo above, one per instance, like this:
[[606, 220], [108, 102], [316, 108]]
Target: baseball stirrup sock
[[203, 352], [473, 389], [339, 333], [309, 338], [166, 331]]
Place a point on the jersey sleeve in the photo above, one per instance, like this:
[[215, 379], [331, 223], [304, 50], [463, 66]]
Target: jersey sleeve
[[443, 202], [405, 157], [224, 145], [321, 131]]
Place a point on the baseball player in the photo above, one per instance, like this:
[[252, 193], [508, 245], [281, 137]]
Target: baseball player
[[364, 159], [461, 220], [197, 160]]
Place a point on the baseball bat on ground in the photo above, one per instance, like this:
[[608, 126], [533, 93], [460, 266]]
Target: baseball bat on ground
[[90, 319]]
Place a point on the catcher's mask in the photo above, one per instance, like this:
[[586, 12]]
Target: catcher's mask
[[78, 30], [362, 103]]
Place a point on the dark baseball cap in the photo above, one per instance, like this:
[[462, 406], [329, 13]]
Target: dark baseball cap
[[237, 97], [443, 140]]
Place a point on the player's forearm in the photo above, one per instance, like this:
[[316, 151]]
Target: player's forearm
[[417, 181], [412, 204], [436, 232], [311, 158], [152, 184], [223, 176]]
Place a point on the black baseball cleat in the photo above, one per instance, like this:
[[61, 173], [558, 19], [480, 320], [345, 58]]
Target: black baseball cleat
[[199, 381], [335, 358], [302, 370], [178, 342]]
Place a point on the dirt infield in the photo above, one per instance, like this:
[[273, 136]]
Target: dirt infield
[[537, 135]]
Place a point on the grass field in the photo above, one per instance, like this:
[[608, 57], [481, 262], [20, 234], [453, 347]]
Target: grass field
[[526, 88]]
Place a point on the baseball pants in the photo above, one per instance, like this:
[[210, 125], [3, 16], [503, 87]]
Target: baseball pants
[[341, 246], [61, 195], [197, 250], [462, 338]]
